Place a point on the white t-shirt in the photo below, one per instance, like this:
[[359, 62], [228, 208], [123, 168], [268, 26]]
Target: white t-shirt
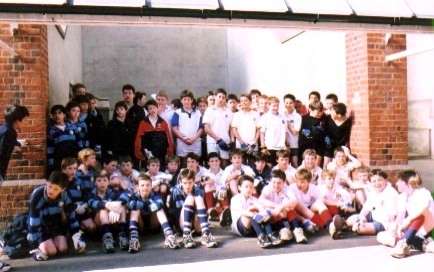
[[293, 119], [128, 180], [239, 204], [220, 120], [420, 198], [229, 170], [337, 193], [316, 174], [289, 172], [217, 177], [275, 130], [313, 194], [268, 193], [382, 205], [246, 124]]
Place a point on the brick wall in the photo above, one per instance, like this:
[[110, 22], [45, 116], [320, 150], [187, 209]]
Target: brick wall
[[377, 94], [24, 80]]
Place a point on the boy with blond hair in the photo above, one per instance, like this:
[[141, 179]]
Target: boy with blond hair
[[309, 163], [311, 204], [274, 130]]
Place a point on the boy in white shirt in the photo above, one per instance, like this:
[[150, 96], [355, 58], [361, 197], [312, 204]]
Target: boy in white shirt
[[309, 163], [249, 217], [293, 120], [274, 130], [379, 210], [217, 123], [235, 170], [245, 127], [282, 159], [282, 202]]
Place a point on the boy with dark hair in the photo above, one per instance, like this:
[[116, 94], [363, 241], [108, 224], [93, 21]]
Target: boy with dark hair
[[236, 169], [61, 140], [262, 173], [147, 210], [312, 132], [187, 127], [153, 135], [134, 116], [78, 126], [110, 164], [95, 126], [188, 207], [128, 173], [314, 96], [255, 94], [217, 123], [283, 164], [282, 203], [249, 217], [78, 89], [119, 138], [109, 208], [14, 116], [128, 92], [293, 121], [215, 189], [232, 102], [338, 131], [49, 204], [330, 100]]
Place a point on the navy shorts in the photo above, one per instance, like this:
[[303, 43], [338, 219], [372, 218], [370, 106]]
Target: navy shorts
[[377, 225], [245, 232]]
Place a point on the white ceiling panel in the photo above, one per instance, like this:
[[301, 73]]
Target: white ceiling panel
[[184, 4], [109, 3], [255, 5], [381, 8], [422, 8], [40, 2], [339, 7]]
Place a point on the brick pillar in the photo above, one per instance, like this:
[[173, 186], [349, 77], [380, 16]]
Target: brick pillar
[[24, 80], [377, 94]]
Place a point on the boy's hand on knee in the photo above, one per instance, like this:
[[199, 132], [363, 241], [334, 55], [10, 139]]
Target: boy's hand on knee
[[79, 243], [114, 217]]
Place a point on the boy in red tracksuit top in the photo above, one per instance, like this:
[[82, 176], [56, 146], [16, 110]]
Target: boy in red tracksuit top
[[153, 136]]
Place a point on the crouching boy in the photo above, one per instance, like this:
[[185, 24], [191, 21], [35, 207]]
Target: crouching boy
[[147, 208], [51, 214]]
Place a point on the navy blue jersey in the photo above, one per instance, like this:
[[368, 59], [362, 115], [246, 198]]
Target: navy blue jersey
[[80, 132], [60, 144], [83, 183], [44, 214], [97, 203], [145, 204]]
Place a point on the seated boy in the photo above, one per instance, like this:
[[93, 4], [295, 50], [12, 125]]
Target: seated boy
[[249, 217], [78, 196], [147, 210], [109, 209], [215, 190], [262, 173], [127, 173], [361, 187], [235, 170], [309, 162], [337, 199], [188, 208], [160, 180], [47, 224], [282, 159], [379, 210], [172, 168], [110, 164], [311, 204], [282, 202]]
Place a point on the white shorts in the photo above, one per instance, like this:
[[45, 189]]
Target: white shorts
[[182, 149], [213, 147]]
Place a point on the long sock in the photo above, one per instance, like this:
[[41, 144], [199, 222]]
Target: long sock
[[326, 217], [268, 229], [188, 218], [106, 229], [256, 226], [225, 202], [209, 199], [414, 226], [166, 229], [203, 220], [292, 219], [317, 220], [134, 229], [123, 227]]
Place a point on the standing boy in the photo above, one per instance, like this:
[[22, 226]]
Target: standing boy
[[293, 120]]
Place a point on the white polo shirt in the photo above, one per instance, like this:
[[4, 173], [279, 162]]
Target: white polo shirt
[[275, 130], [188, 124], [382, 205], [313, 194], [220, 120], [239, 204], [246, 123]]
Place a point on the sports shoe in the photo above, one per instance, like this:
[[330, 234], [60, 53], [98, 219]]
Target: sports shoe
[[107, 243], [207, 240], [38, 255], [285, 234], [310, 226], [134, 245], [263, 241], [5, 266], [387, 238], [123, 241], [225, 218], [299, 236], [336, 226], [213, 215], [400, 250], [275, 241], [171, 242], [188, 240], [428, 245]]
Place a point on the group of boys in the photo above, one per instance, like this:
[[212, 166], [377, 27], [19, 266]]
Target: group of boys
[[267, 197]]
